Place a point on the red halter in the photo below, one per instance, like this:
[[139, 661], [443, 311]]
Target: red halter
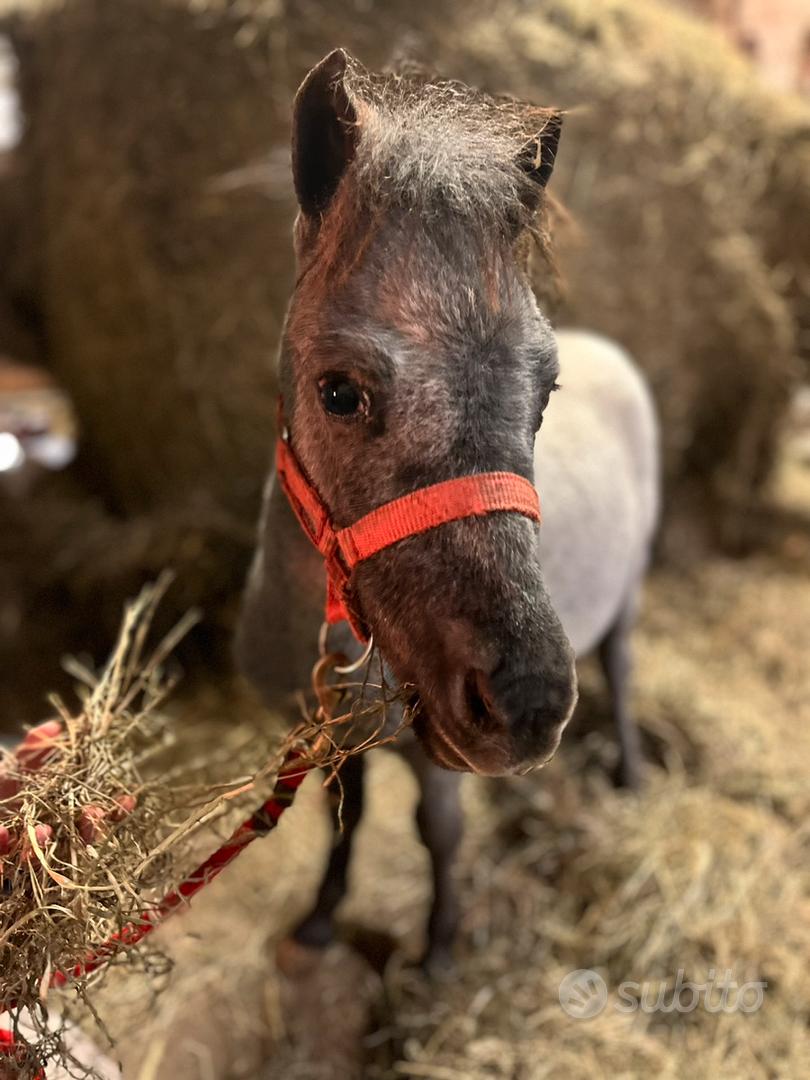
[[427, 508]]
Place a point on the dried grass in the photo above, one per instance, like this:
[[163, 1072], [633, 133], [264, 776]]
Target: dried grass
[[66, 898], [69, 894]]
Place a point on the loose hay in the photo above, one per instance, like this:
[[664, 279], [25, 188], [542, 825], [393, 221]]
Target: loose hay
[[708, 868], [69, 895], [65, 899]]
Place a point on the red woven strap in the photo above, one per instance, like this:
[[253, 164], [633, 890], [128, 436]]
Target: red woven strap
[[430, 507], [410, 515], [303, 498]]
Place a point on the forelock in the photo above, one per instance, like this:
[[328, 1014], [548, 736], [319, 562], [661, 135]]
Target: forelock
[[437, 146]]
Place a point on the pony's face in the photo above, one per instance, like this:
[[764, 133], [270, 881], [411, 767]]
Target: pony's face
[[413, 353]]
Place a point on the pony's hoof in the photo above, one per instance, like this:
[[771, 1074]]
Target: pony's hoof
[[438, 963], [295, 960], [628, 776], [328, 1000], [315, 932]]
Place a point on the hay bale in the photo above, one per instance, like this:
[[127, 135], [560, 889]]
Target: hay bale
[[67, 564], [162, 268], [19, 327], [163, 292], [161, 297], [680, 171], [161, 273]]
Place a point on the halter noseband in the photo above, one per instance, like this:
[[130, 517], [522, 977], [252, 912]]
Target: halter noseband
[[426, 508]]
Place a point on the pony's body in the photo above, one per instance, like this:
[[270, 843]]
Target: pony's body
[[596, 464], [414, 353], [596, 460]]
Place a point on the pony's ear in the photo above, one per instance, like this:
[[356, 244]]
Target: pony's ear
[[324, 133], [537, 156]]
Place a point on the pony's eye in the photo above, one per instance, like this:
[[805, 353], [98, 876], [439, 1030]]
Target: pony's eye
[[341, 397]]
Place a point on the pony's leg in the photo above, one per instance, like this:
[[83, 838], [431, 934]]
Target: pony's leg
[[616, 661], [317, 929], [440, 822]]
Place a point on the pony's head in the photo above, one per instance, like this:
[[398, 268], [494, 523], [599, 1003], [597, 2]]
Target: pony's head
[[414, 352]]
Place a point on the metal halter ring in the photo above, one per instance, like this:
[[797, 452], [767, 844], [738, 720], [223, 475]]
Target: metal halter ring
[[344, 669]]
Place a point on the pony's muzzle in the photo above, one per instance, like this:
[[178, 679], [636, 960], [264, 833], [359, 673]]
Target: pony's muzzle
[[532, 711], [500, 721]]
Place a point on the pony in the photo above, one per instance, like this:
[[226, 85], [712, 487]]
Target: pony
[[414, 352]]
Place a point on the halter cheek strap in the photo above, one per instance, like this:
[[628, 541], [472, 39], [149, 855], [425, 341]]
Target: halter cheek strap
[[410, 515]]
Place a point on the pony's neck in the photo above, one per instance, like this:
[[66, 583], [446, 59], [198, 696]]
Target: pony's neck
[[284, 602]]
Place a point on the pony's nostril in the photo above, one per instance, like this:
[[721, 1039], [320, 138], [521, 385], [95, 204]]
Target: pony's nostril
[[480, 703], [533, 708]]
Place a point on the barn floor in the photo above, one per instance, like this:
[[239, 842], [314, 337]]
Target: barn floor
[[705, 872]]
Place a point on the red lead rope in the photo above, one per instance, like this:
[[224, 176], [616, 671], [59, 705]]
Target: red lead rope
[[293, 770], [427, 508]]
